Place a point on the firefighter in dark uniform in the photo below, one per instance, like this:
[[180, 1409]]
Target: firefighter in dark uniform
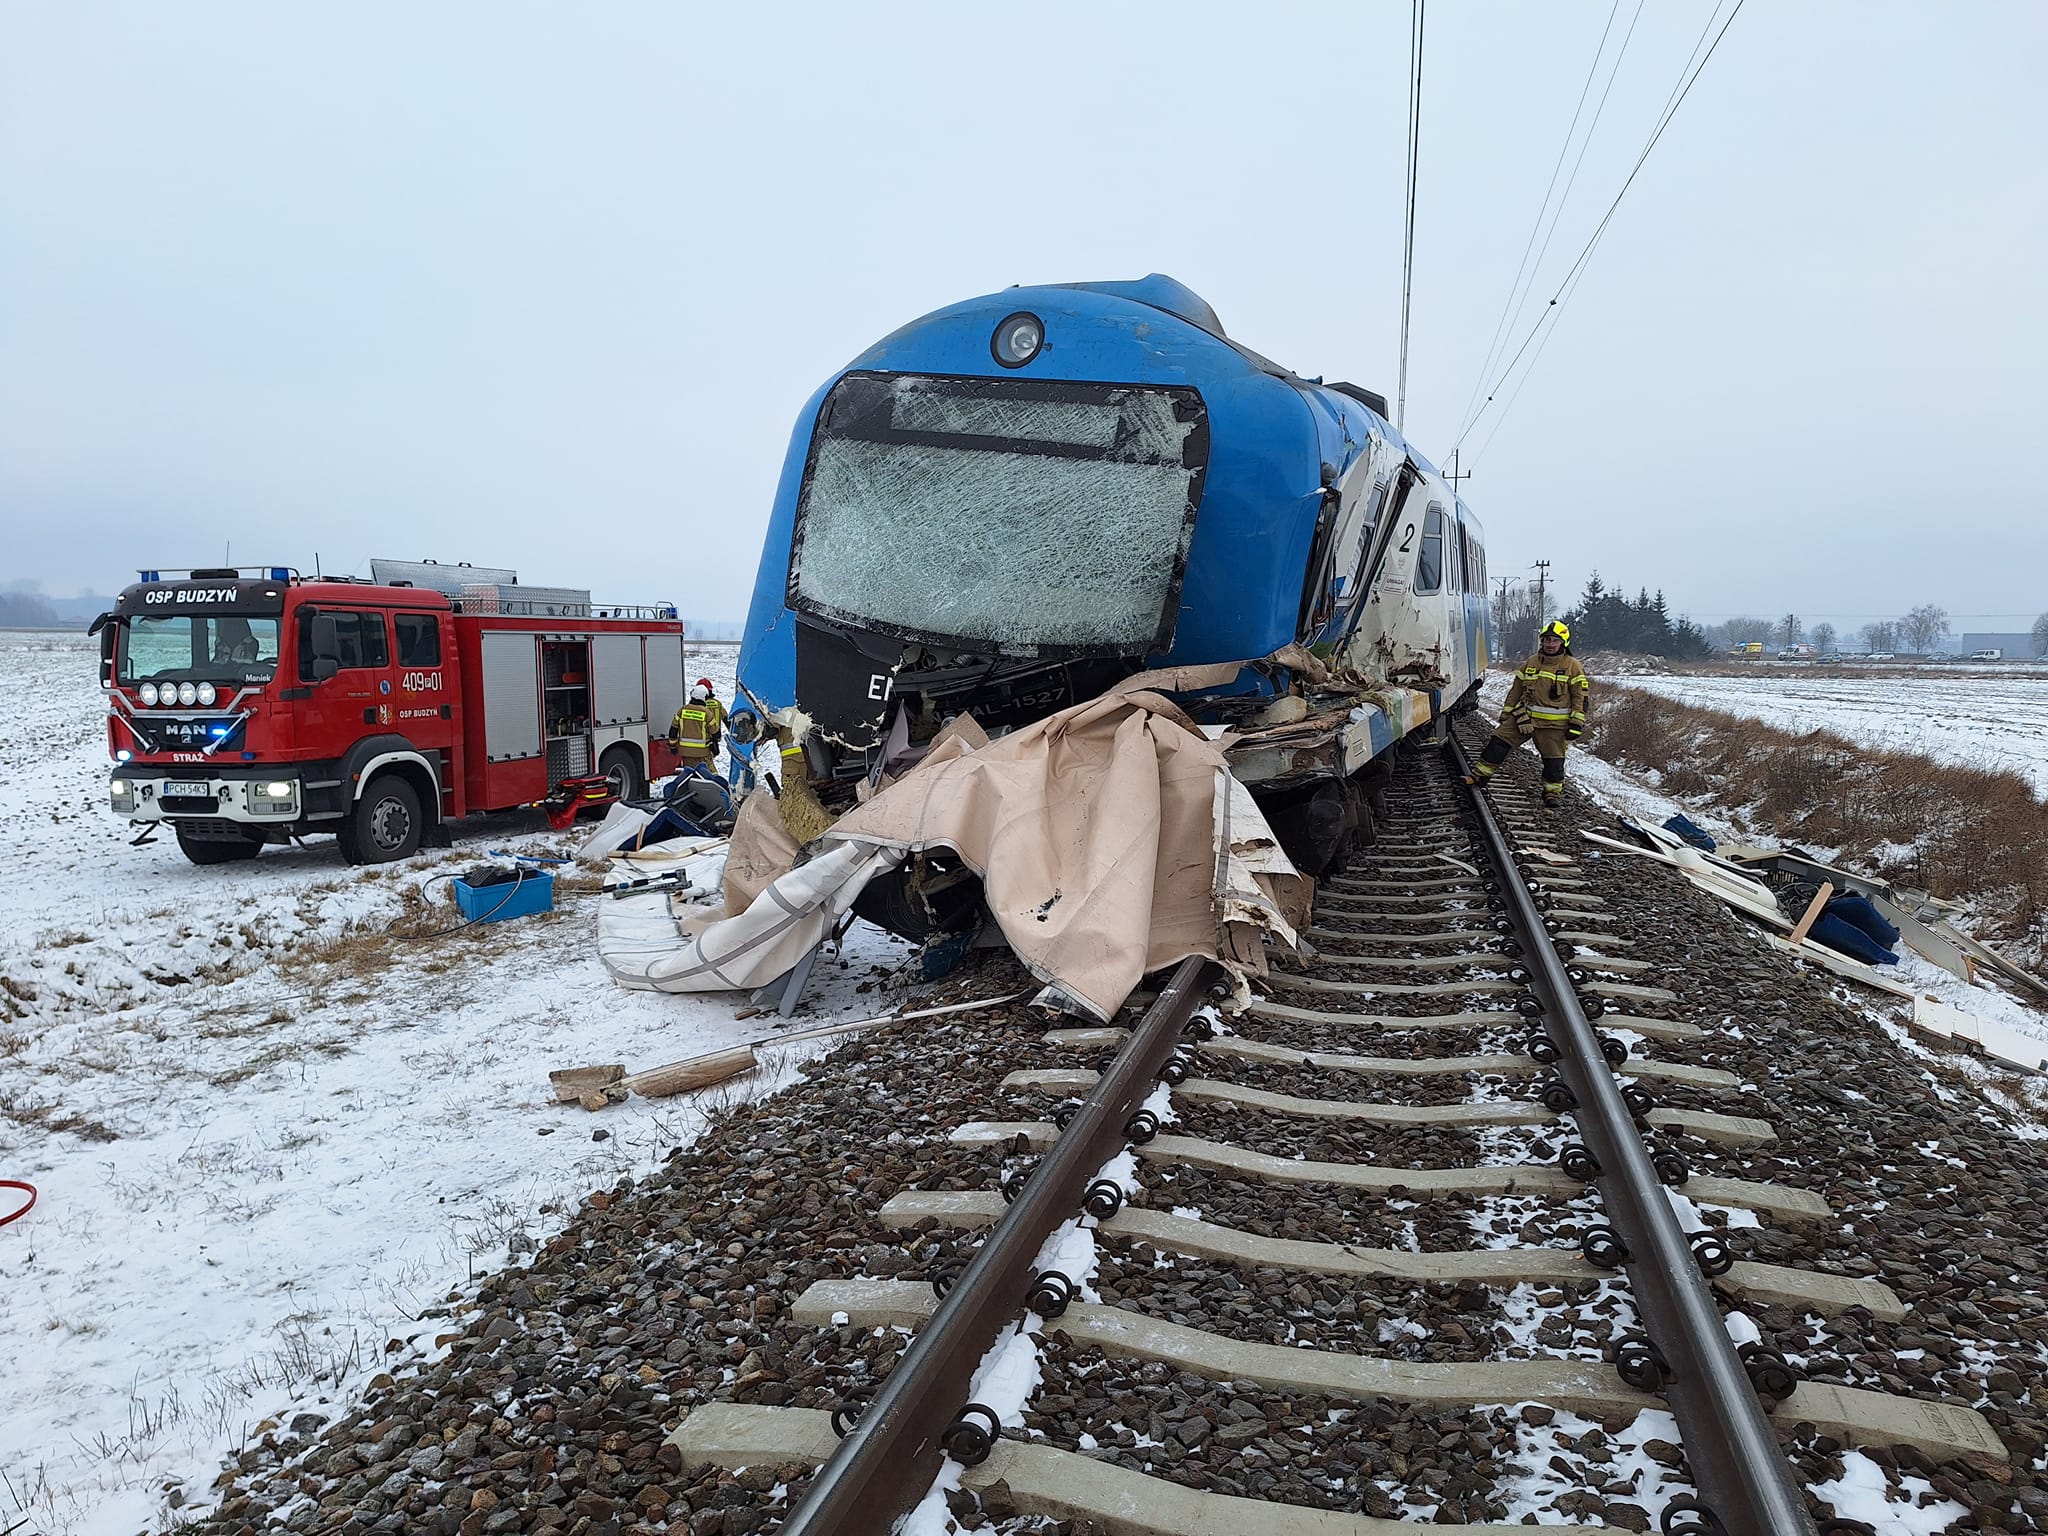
[[1546, 703]]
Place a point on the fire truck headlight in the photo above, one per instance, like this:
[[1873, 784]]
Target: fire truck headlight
[[147, 693], [124, 795], [206, 693], [187, 694], [279, 796], [743, 727]]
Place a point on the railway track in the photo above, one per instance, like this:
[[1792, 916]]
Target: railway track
[[1471, 1034], [1353, 1276]]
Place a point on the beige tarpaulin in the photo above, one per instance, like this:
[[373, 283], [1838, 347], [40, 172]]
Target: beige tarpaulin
[[1110, 838]]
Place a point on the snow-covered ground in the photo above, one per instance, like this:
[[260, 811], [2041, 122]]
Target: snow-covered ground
[[1985, 722], [1638, 797], [266, 1134]]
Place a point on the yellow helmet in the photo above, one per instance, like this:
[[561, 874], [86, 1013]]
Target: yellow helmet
[[1559, 628]]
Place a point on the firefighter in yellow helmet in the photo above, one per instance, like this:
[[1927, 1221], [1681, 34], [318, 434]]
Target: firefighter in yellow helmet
[[698, 724], [1546, 703]]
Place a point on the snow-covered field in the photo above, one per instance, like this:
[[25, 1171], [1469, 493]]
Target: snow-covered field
[[268, 1136], [1638, 797], [1985, 722]]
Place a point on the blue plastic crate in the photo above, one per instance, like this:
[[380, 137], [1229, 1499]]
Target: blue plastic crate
[[534, 892]]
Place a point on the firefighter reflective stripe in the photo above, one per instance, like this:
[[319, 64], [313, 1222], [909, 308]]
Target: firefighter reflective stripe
[[1554, 716], [1534, 675], [693, 726]]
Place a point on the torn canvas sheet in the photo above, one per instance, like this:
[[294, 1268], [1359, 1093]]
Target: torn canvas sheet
[[1110, 838], [707, 951]]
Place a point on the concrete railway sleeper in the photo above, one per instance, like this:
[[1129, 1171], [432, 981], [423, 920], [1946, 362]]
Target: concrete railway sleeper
[[1358, 1258], [1579, 1216]]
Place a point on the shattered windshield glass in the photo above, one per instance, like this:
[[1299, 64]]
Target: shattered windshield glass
[[1028, 516]]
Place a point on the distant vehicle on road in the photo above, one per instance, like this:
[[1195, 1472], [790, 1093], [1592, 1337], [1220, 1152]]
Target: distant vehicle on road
[[1991, 654]]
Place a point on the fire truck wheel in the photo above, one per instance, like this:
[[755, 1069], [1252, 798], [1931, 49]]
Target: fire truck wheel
[[385, 824], [622, 767], [217, 850]]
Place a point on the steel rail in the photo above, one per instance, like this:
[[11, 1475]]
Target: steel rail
[[888, 1459], [1743, 1475]]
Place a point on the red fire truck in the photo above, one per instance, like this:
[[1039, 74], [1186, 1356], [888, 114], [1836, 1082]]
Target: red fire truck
[[252, 706]]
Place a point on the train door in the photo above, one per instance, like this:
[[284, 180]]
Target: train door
[[1451, 605], [1346, 553]]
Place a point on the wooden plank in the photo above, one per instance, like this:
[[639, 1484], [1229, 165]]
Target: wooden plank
[[1812, 913], [572, 1083]]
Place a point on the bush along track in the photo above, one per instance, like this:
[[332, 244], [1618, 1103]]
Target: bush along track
[[1964, 834], [1883, 1224]]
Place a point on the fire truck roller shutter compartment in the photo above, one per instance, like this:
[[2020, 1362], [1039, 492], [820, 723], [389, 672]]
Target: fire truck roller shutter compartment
[[618, 697], [511, 663], [664, 681]]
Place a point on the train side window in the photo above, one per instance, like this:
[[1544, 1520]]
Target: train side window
[[1429, 560], [419, 639]]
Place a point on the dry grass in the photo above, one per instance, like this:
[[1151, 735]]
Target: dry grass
[[47, 1117], [1965, 834]]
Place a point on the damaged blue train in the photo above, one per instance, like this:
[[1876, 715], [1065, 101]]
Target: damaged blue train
[[1013, 503]]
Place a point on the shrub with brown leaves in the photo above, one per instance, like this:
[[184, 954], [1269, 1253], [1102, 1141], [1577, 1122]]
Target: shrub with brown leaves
[[1965, 834]]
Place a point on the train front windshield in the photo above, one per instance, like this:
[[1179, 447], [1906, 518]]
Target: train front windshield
[[1034, 517]]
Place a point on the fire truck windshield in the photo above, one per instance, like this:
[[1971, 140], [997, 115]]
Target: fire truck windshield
[[191, 647]]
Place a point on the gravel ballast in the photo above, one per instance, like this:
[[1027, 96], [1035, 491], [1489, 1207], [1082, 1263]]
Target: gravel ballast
[[558, 1379]]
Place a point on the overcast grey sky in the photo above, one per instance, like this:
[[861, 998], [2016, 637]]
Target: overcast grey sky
[[545, 286]]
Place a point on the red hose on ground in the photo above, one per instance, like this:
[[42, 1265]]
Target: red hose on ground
[[28, 1189]]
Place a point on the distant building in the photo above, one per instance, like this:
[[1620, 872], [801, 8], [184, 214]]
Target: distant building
[[2016, 647]]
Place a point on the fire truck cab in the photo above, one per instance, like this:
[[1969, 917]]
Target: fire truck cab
[[252, 706]]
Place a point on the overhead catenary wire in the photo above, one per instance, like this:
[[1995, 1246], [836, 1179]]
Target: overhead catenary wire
[[1509, 310], [1416, 18], [1570, 281]]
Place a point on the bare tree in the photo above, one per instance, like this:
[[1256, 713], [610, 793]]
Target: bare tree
[[1734, 632], [1922, 627], [2041, 635], [1881, 638], [1789, 630], [1516, 619], [1824, 638]]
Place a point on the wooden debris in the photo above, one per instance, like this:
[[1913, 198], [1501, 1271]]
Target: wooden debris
[[595, 1087], [1841, 965], [697, 1072], [1811, 915], [573, 1083]]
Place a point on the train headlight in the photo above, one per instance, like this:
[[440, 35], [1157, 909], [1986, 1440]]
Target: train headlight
[[206, 693], [187, 695], [743, 727], [147, 693], [1017, 340]]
